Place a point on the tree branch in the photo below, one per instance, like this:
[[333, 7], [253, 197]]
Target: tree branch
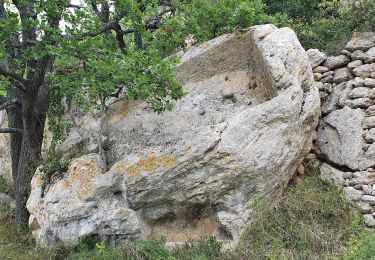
[[9, 103], [11, 131], [106, 27], [74, 6], [15, 77]]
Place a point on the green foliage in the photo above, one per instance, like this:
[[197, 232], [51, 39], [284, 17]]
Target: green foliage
[[207, 19], [205, 248], [361, 246], [5, 186], [5, 210], [300, 10], [58, 125], [53, 162], [88, 66], [316, 22]]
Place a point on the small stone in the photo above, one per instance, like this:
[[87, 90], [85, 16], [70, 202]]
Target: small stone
[[317, 76], [332, 175], [365, 189], [372, 75], [360, 92], [327, 87], [342, 75], [348, 175], [369, 220], [358, 82], [358, 55], [366, 208], [353, 194], [358, 186], [301, 169], [364, 71], [369, 122], [363, 177], [373, 190], [369, 82], [344, 90], [228, 93], [320, 69], [316, 57], [319, 85], [369, 199], [361, 41], [346, 52], [370, 111], [360, 103], [322, 94], [334, 62], [310, 156], [370, 55], [354, 64], [328, 79], [371, 93], [370, 135], [328, 73]]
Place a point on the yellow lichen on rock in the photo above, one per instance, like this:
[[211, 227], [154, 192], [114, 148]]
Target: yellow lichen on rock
[[148, 165], [168, 161], [82, 174]]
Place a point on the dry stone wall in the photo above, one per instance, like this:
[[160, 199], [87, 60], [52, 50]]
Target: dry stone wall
[[346, 133]]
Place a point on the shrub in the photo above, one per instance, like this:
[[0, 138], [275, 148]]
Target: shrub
[[325, 24]]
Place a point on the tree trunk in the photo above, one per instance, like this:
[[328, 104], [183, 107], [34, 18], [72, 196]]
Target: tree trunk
[[138, 40], [15, 121], [34, 110]]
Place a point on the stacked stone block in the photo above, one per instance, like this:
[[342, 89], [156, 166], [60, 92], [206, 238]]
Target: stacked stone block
[[345, 144]]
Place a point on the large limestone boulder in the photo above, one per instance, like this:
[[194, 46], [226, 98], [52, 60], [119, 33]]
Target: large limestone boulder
[[236, 138]]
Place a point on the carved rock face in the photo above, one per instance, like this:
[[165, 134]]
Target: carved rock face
[[236, 138]]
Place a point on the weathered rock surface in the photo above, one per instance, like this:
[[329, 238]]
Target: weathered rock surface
[[334, 62], [340, 139], [238, 136], [346, 133], [361, 41], [342, 75], [5, 159], [364, 71], [332, 175], [316, 57]]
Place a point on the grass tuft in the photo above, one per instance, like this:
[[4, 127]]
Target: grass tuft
[[5, 186]]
